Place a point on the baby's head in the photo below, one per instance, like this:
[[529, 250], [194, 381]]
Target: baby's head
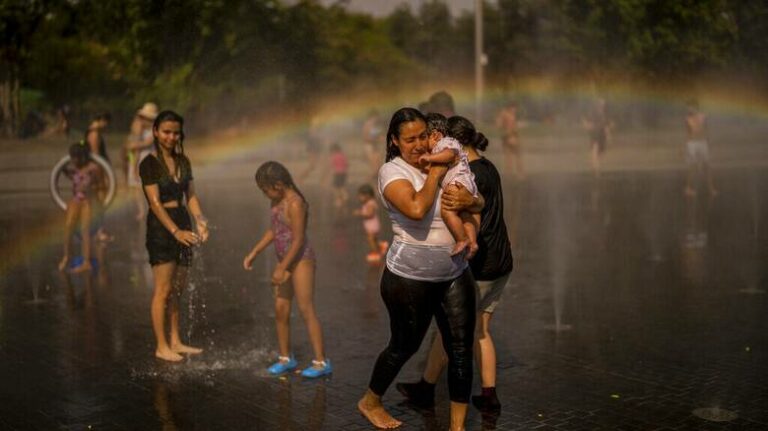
[[79, 153], [437, 128], [365, 193]]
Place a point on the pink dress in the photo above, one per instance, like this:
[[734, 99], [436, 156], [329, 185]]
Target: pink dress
[[283, 236], [371, 225]]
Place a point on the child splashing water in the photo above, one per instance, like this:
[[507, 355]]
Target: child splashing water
[[443, 149], [296, 262], [369, 212], [84, 173]]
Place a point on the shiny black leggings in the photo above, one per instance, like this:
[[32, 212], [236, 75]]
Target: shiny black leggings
[[411, 305]]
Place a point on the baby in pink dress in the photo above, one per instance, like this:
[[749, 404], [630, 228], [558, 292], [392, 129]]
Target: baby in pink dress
[[369, 212], [463, 225]]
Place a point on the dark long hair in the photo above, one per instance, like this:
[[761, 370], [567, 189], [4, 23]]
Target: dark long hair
[[180, 160], [402, 115], [271, 174], [462, 130]]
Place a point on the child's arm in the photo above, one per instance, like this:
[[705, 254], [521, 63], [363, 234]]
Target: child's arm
[[258, 248], [365, 212], [445, 156], [193, 203], [297, 214]]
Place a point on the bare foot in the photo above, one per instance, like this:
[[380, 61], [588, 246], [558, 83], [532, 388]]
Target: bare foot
[[376, 415], [471, 250], [83, 267], [459, 247], [168, 355], [183, 348], [63, 263]]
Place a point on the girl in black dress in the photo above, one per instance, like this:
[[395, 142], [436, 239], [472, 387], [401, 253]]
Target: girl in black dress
[[166, 177]]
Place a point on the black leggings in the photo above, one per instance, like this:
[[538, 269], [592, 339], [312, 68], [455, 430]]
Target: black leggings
[[411, 305]]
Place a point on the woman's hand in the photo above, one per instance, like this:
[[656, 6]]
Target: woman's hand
[[280, 276], [248, 261], [456, 197], [202, 230], [186, 237]]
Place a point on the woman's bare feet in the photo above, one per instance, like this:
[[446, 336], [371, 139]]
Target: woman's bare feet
[[183, 348], [168, 355], [374, 411]]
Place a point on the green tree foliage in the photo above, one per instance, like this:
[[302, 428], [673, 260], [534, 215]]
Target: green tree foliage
[[223, 59]]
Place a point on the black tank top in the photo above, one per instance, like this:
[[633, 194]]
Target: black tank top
[[153, 172]]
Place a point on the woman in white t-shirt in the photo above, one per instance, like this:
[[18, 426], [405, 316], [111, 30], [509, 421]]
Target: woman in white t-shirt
[[421, 278]]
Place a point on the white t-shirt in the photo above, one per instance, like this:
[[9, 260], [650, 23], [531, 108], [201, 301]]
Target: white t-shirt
[[421, 249]]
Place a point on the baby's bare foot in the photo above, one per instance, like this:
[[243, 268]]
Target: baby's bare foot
[[377, 416], [168, 355], [183, 348], [471, 250], [459, 247]]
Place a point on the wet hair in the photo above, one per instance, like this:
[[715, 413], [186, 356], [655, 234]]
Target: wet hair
[[79, 153], [366, 190], [463, 130], [272, 174], [437, 123], [103, 116], [400, 117], [181, 161], [441, 102]]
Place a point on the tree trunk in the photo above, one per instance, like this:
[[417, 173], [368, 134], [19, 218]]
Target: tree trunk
[[10, 101]]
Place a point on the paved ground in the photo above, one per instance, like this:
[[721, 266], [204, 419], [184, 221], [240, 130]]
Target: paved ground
[[630, 308]]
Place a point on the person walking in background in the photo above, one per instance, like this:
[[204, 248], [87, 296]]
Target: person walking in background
[[94, 138], [296, 262], [137, 146], [340, 169], [373, 134], [491, 268], [507, 123], [697, 149], [599, 127], [166, 176]]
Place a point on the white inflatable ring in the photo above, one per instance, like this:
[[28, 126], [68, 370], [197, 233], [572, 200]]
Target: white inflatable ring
[[56, 173]]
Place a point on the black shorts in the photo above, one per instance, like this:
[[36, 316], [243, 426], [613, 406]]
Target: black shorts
[[340, 180], [161, 245]]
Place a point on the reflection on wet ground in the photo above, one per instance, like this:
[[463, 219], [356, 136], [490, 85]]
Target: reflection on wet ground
[[631, 307]]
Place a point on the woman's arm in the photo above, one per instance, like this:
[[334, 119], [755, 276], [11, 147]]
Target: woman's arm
[[411, 203], [185, 237], [265, 240], [201, 223], [458, 198]]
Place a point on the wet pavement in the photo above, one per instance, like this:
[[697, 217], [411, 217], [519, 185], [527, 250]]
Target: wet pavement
[[631, 307]]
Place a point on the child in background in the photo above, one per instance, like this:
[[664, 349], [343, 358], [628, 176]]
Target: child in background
[[296, 262], [84, 173], [443, 149], [339, 167], [369, 212]]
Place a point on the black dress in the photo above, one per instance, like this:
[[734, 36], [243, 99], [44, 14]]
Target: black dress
[[161, 244]]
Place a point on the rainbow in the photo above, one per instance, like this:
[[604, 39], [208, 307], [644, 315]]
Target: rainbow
[[219, 148]]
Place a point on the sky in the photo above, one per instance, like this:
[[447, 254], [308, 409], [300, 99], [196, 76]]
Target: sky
[[384, 7]]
